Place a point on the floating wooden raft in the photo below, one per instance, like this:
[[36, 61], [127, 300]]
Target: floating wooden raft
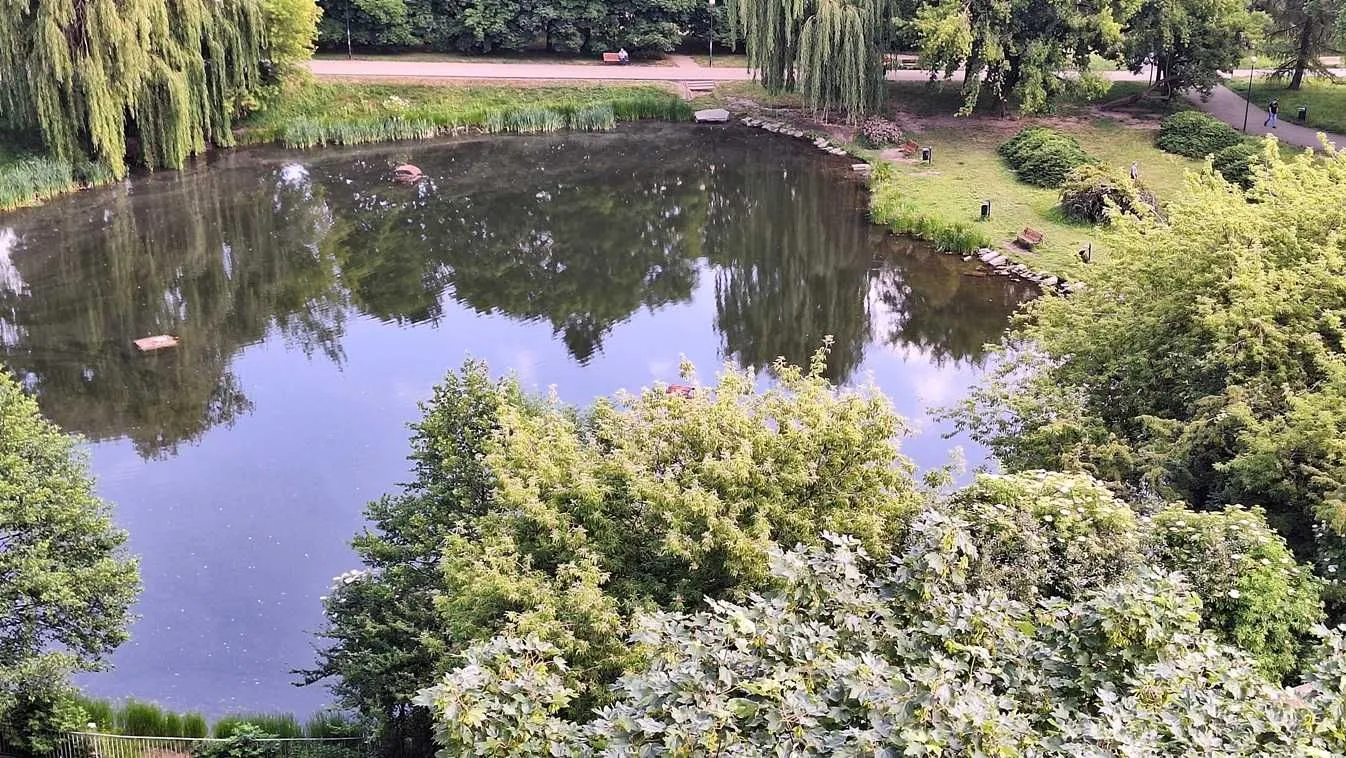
[[157, 342]]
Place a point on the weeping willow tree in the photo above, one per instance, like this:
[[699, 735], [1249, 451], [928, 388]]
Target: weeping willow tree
[[103, 80], [830, 50]]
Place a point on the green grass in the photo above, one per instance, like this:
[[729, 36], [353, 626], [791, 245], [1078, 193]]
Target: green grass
[[942, 201], [350, 114], [1326, 101], [723, 60]]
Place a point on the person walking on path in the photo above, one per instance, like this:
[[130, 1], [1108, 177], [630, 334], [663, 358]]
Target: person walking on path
[[1135, 170], [1273, 113]]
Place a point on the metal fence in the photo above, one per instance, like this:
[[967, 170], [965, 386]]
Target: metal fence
[[93, 745]]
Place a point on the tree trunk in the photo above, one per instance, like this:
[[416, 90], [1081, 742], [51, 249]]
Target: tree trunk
[[1303, 51]]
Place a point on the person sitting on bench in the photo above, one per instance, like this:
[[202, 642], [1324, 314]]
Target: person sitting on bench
[[623, 57]]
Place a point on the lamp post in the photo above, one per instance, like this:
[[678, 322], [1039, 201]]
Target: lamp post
[[711, 61], [1248, 102]]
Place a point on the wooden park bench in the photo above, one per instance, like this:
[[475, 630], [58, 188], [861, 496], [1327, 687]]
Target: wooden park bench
[[900, 61], [1030, 237], [612, 58]]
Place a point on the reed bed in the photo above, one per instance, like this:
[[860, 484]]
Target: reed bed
[[137, 718], [326, 114], [29, 181]]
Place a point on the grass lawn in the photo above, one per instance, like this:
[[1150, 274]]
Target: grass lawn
[[1326, 101], [967, 170], [727, 60]]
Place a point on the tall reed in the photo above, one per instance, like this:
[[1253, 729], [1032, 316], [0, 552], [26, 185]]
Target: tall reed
[[320, 116], [27, 181], [332, 723]]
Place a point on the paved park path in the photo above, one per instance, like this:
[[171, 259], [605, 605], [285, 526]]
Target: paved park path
[[1224, 104], [1230, 107]]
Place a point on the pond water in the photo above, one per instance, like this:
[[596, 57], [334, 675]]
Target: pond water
[[317, 303]]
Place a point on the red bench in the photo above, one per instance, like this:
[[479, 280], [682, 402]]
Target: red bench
[[1030, 238], [612, 57]]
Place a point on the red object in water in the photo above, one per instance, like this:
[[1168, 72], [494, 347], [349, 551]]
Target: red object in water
[[407, 174], [681, 390]]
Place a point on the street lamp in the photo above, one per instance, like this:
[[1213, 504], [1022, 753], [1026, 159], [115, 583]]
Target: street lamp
[[1248, 102], [711, 61]]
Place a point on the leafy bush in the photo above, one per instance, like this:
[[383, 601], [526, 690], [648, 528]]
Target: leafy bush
[[37, 705], [327, 724], [1253, 593], [279, 724], [905, 656], [1043, 156], [245, 741], [1236, 162], [880, 132], [1096, 193], [1195, 134]]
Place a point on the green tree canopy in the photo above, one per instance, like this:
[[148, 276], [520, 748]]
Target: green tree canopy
[[1018, 48], [66, 582], [529, 516], [155, 80], [1206, 361], [1189, 42], [831, 50]]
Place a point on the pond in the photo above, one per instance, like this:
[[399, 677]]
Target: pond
[[317, 303]]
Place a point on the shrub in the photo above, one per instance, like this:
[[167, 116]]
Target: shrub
[[245, 741], [1253, 593], [880, 132], [1043, 156], [1195, 135], [327, 724], [1235, 163], [279, 724], [1096, 193]]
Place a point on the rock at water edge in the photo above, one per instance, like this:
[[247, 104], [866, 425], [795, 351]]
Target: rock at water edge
[[712, 116]]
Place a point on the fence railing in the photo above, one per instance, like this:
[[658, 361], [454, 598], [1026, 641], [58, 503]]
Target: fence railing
[[94, 745]]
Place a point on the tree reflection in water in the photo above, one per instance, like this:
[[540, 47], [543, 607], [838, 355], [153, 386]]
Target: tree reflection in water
[[579, 232]]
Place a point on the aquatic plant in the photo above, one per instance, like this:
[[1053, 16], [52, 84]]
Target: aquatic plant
[[593, 118], [312, 121], [31, 180]]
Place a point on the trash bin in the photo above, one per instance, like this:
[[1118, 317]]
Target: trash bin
[[927, 154], [1303, 113], [985, 210]]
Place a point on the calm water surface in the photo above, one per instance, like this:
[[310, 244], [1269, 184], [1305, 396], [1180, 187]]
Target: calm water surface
[[318, 303]]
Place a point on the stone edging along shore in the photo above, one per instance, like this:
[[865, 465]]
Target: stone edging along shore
[[997, 261]]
